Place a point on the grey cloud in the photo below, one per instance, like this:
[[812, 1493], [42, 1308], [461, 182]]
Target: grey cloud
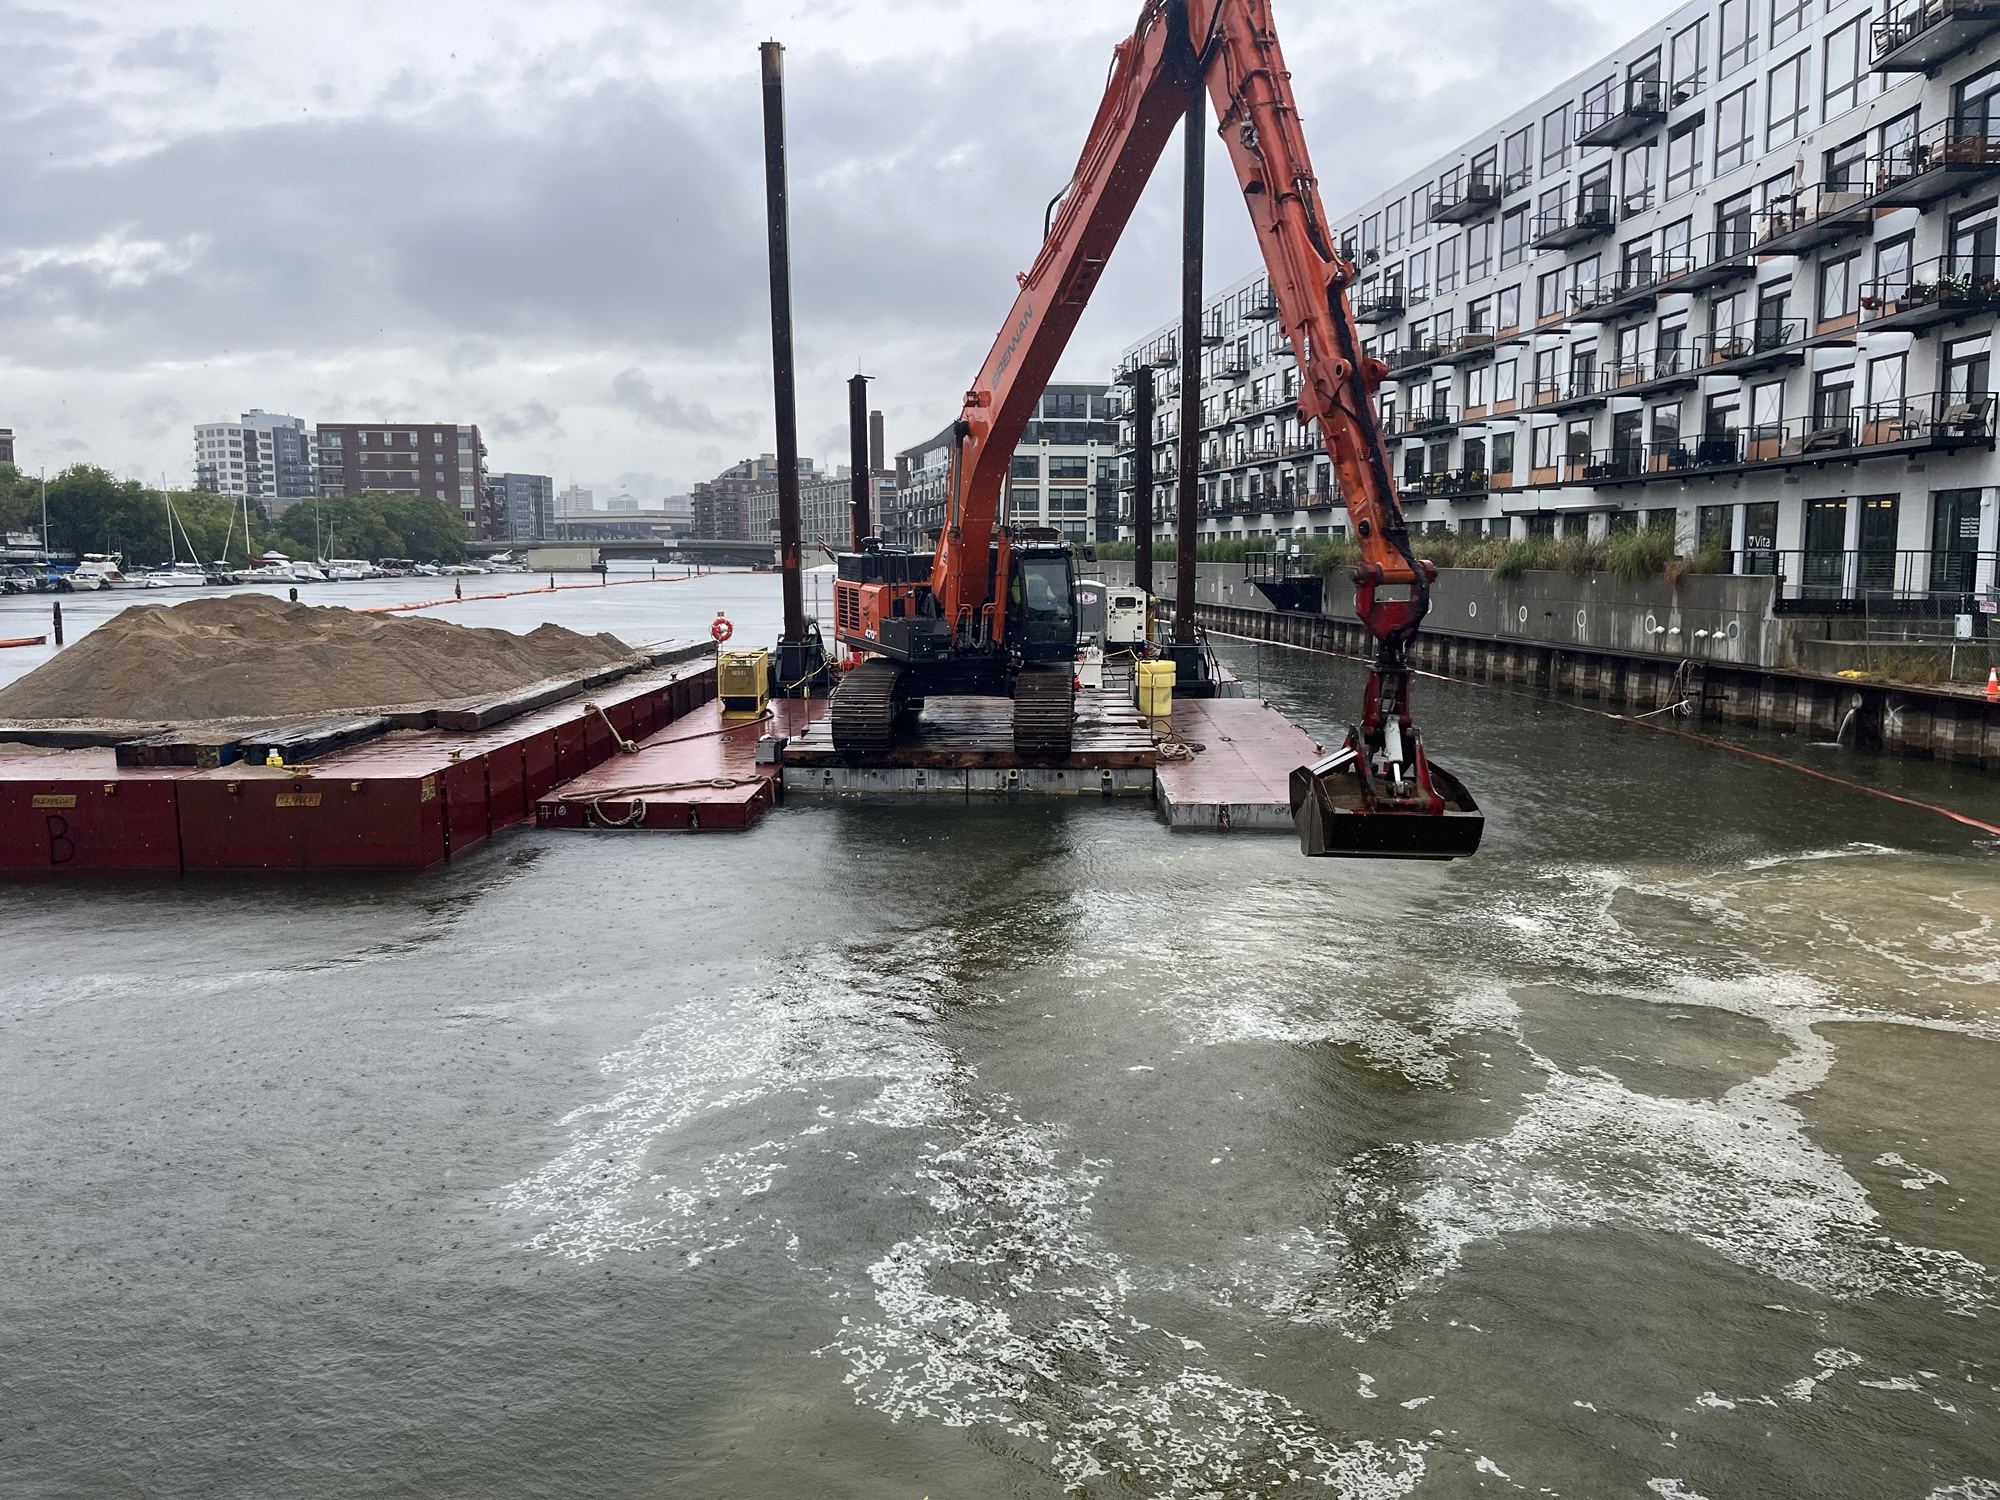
[[632, 391], [193, 52], [531, 419]]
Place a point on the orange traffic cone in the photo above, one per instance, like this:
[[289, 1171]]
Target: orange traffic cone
[[1993, 684]]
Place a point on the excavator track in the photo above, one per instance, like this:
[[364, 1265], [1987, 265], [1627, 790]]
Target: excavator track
[[1044, 712], [868, 704]]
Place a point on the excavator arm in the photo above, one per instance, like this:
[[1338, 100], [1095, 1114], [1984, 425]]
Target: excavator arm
[[1231, 47]]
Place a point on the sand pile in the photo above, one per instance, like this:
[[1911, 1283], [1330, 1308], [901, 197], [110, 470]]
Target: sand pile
[[249, 656]]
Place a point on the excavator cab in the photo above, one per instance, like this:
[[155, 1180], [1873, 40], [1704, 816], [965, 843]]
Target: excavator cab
[[1041, 606]]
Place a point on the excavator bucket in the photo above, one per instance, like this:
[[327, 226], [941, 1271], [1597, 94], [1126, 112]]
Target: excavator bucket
[[1339, 818]]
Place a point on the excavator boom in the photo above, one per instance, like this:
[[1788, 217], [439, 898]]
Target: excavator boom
[[1368, 802]]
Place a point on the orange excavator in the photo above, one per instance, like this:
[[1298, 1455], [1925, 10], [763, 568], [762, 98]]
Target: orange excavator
[[991, 611]]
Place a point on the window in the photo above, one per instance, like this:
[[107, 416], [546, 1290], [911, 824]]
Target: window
[[1833, 397], [1420, 276], [1666, 426], [1972, 244], [1840, 289], [1516, 172], [1486, 167], [1739, 36], [1392, 227], [1896, 144], [1420, 212], [1847, 166], [1513, 238], [1978, 100], [1068, 468], [1026, 502], [1507, 309], [1732, 226], [1733, 132], [1503, 455], [1026, 466], [1954, 540], [1371, 239], [1967, 367], [1684, 158], [1788, 18], [1543, 447], [1506, 390], [1555, 140], [1885, 381], [1636, 178], [1447, 266], [1785, 107], [1549, 295], [1597, 106], [1846, 68], [1478, 251], [1593, 194], [1690, 61]]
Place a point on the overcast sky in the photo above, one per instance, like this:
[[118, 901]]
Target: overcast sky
[[547, 219]]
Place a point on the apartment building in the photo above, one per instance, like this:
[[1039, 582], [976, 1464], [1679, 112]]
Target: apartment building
[[6, 445], [737, 504], [525, 505], [1737, 279], [443, 460], [1064, 473], [264, 456]]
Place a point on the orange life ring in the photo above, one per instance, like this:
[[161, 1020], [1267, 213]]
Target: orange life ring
[[722, 630]]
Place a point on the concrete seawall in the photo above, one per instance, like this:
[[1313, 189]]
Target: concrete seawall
[[1715, 642]]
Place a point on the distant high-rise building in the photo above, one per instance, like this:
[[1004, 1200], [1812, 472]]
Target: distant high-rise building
[[723, 507], [576, 501], [6, 445], [264, 457], [442, 460], [526, 504]]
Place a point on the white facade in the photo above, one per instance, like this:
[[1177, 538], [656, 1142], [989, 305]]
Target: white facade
[[1737, 278], [1063, 475], [263, 457]]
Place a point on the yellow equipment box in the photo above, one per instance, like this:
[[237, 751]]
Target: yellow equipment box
[[743, 683], [1153, 689]]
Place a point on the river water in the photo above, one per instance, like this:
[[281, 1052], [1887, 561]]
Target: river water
[[950, 1152]]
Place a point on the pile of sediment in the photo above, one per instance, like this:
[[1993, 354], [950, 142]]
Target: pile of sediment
[[249, 656]]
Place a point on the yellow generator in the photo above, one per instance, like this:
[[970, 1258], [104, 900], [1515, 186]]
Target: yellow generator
[[743, 683]]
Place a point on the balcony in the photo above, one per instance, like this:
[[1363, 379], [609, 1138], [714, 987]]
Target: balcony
[[1583, 391], [1454, 484], [1232, 368], [1919, 34], [1713, 260], [1384, 306], [1416, 360], [1930, 293], [1923, 424], [1669, 369], [1612, 121], [1947, 158], [1424, 421], [1168, 357], [1766, 344], [1820, 214], [1590, 218], [1631, 293], [1468, 348], [1469, 200]]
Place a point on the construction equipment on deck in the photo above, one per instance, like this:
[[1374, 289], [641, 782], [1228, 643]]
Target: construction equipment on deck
[[990, 610]]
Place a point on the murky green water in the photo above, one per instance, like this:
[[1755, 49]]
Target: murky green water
[[898, 1151]]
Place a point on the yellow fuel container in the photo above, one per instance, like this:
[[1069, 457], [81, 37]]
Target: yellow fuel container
[[743, 683], [1153, 689]]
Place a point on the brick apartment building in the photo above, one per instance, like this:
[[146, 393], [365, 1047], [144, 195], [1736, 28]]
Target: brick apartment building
[[442, 460]]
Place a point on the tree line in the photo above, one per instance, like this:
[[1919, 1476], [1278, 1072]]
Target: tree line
[[92, 510]]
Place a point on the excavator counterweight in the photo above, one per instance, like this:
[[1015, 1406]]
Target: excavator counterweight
[[990, 610]]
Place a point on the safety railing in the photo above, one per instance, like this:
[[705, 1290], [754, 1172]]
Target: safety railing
[[1429, 417], [1472, 197], [1814, 215], [1747, 343], [1936, 160], [1590, 217], [1918, 34], [1450, 483], [1610, 119], [1932, 291], [1936, 421], [1382, 305]]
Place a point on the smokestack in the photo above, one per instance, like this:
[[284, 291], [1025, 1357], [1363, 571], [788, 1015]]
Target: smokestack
[[857, 456], [877, 461]]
